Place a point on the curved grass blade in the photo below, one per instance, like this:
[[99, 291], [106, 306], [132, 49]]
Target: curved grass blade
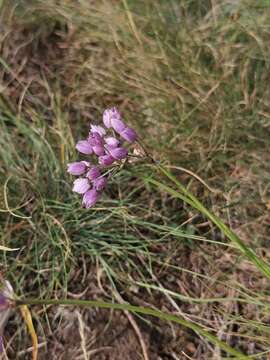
[[190, 199], [139, 310]]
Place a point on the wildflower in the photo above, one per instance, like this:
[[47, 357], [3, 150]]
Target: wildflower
[[93, 173], [106, 160], [77, 168], [90, 198], [98, 129], [110, 114], [95, 139], [119, 153], [100, 183], [129, 135], [81, 185], [118, 125], [99, 150], [106, 147], [112, 142], [84, 147]]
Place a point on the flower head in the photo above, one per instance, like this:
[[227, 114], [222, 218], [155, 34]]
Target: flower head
[[84, 147], [118, 125], [100, 183], [128, 134], [106, 160], [97, 129], [112, 142], [95, 139], [110, 114], [81, 185], [90, 198], [119, 153], [99, 150], [93, 173], [77, 168], [105, 146]]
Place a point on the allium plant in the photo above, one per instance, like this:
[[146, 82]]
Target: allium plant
[[108, 149]]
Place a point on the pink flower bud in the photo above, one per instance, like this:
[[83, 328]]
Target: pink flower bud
[[129, 135], [84, 147], [81, 185], [99, 150], [95, 139], [109, 114], [90, 198], [97, 129], [119, 153], [100, 183], [107, 118], [77, 168], [112, 142], [93, 173], [118, 125], [105, 160]]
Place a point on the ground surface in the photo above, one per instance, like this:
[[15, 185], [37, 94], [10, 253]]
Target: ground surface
[[192, 78]]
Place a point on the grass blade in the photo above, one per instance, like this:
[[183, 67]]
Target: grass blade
[[140, 310], [190, 199]]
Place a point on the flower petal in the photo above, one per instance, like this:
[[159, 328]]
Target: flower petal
[[105, 160], [109, 114], [99, 150], [118, 125], [119, 153], [93, 173], [112, 141], [81, 185], [97, 129], [84, 147], [77, 168], [100, 183], [95, 139], [90, 198], [128, 134]]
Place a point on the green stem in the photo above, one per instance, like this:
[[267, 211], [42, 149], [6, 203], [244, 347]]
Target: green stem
[[140, 310]]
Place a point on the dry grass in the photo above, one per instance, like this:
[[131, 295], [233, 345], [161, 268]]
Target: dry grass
[[193, 80]]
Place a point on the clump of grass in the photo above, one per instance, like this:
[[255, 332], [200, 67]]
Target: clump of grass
[[192, 78]]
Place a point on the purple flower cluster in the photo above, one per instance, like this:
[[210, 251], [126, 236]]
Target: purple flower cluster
[[106, 148]]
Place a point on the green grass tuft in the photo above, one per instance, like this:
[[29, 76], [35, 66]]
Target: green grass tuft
[[192, 78]]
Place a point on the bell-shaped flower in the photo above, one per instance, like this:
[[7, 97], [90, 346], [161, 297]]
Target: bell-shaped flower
[[109, 114], [93, 173], [90, 198], [119, 153], [84, 147], [77, 168], [97, 129], [99, 150], [118, 125], [100, 183], [112, 142], [81, 185], [95, 139], [105, 160], [129, 135]]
